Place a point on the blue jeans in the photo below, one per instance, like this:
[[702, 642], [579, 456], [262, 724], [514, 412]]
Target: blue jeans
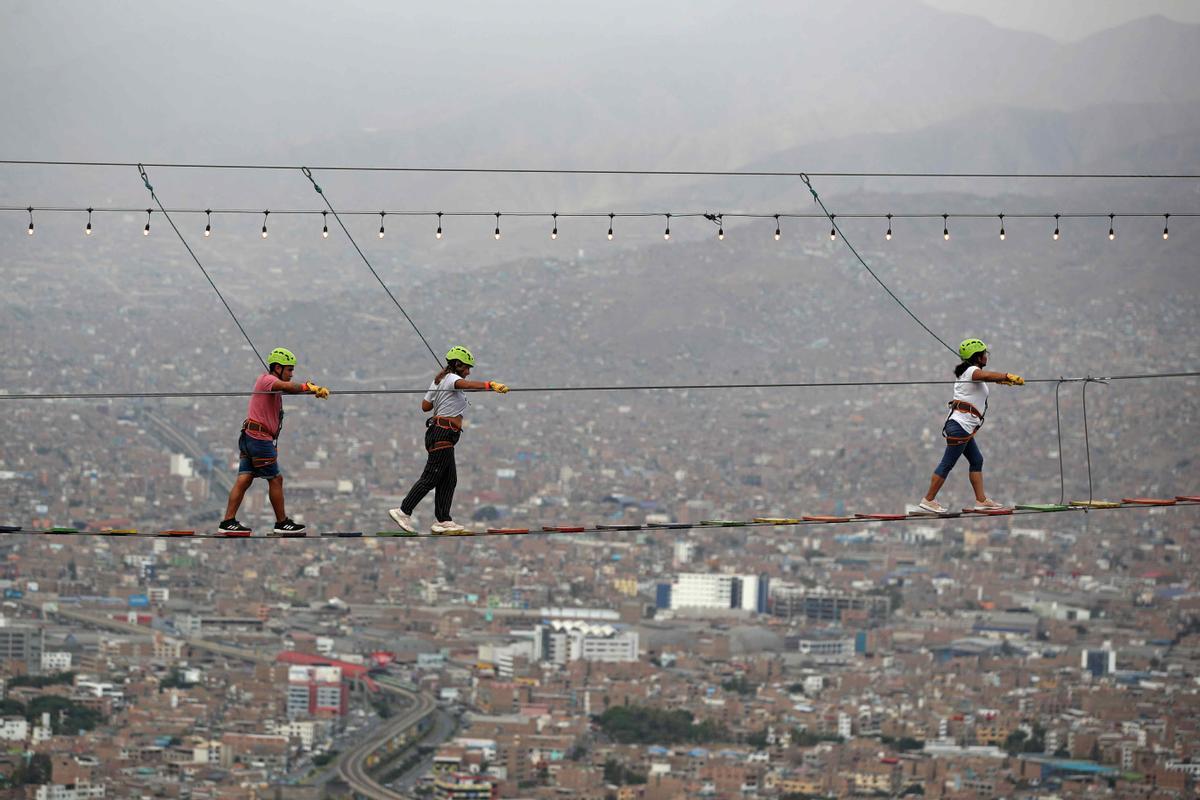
[[950, 457], [258, 457]]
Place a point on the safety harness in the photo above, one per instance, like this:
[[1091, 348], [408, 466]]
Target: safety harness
[[453, 424], [966, 408]]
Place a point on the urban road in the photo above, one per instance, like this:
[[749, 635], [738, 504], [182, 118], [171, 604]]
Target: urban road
[[352, 767]]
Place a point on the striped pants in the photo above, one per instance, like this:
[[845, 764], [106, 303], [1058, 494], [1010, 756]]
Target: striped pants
[[439, 474]]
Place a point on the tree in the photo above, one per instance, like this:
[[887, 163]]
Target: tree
[[617, 773], [642, 725]]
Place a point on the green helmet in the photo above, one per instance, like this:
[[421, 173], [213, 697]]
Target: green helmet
[[460, 353], [281, 356], [970, 347]]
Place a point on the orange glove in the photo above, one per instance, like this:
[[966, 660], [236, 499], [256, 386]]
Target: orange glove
[[320, 391], [1013, 380], [497, 386]]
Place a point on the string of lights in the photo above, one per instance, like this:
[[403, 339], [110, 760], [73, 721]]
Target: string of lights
[[602, 388], [553, 217], [682, 173]]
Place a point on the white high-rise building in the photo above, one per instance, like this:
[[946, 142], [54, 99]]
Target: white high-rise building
[[702, 590], [706, 590]]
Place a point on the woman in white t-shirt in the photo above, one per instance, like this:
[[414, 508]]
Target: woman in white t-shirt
[[966, 416], [446, 400]]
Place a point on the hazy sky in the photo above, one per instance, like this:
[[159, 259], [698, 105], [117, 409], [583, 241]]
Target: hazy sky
[[1068, 20]]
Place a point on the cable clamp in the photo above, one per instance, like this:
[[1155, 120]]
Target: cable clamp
[[145, 178], [308, 174]]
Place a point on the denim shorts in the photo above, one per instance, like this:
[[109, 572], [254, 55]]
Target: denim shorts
[[259, 458]]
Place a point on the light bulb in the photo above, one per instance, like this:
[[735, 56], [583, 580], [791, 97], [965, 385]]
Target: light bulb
[[497, 231], [888, 235], [439, 230], [29, 230], [1166, 219], [667, 230], [380, 224], [1002, 227], [208, 222], [324, 225], [88, 230], [554, 230], [778, 233], [1112, 233], [832, 227], [146, 230], [264, 227], [1056, 227], [720, 228], [946, 227], [610, 224]]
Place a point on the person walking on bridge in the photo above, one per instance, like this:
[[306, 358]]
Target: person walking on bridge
[[258, 443], [964, 421], [447, 401]]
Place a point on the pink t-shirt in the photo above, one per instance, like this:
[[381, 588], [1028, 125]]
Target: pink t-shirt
[[265, 408]]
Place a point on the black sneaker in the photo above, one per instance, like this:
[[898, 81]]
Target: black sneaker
[[286, 527], [233, 526]]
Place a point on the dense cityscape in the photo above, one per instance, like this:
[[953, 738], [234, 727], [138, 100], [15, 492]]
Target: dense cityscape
[[712, 263]]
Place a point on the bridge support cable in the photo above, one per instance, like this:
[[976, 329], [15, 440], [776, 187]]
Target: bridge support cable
[[207, 277], [833, 223], [308, 174]]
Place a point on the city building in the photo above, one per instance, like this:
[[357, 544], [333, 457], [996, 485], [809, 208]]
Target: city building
[[316, 692], [22, 643], [562, 641], [790, 601], [716, 591]]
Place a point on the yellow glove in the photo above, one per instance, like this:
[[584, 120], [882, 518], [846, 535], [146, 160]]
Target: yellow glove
[[497, 386], [1013, 380], [320, 391]]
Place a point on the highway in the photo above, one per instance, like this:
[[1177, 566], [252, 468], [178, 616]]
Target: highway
[[353, 766], [174, 438]]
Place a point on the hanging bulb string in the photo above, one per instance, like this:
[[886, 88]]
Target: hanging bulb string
[[647, 172], [746, 215], [221, 297], [867, 267], [308, 174]]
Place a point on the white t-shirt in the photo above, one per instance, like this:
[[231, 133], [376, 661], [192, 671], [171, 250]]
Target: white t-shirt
[[973, 392], [448, 402]]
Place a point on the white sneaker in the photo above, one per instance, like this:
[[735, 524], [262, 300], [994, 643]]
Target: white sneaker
[[448, 527], [932, 506], [988, 504], [403, 520]]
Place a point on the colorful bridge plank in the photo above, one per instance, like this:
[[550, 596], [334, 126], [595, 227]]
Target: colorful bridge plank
[[1149, 501]]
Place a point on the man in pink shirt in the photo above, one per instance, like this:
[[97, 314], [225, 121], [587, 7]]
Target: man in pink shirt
[[259, 455]]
